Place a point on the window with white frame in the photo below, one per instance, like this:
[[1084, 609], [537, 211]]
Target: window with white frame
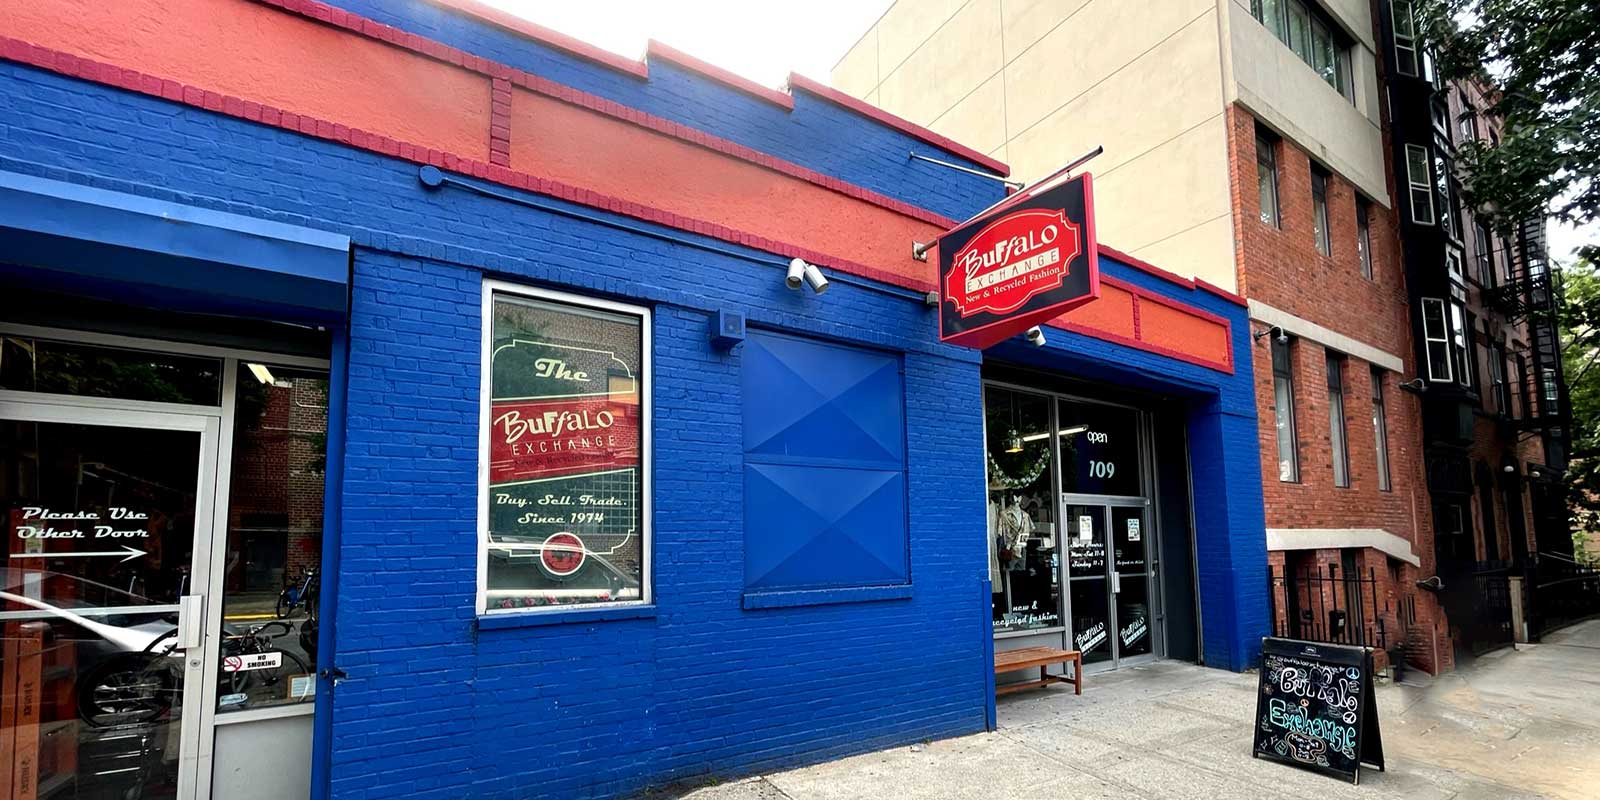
[[1405, 37], [1460, 354], [1436, 334], [1420, 183], [1452, 265], [564, 451]]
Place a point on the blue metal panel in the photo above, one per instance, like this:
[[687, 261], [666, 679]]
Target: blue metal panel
[[809, 399], [127, 247], [824, 475]]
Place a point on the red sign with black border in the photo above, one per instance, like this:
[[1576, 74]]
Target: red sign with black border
[[1019, 266]]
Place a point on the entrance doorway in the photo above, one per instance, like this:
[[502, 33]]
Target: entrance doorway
[[1111, 568], [138, 652]]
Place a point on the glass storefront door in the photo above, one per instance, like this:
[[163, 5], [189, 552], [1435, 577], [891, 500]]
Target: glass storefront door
[[1109, 571], [102, 625]]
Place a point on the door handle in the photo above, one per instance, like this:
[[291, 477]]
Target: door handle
[[1116, 582], [191, 621]]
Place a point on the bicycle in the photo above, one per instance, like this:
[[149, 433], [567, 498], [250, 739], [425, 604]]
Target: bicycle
[[134, 688], [293, 597]]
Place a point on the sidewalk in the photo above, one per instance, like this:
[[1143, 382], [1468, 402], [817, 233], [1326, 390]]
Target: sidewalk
[[1514, 724]]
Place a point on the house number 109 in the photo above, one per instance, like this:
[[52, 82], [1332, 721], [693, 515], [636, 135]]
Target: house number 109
[[1102, 469]]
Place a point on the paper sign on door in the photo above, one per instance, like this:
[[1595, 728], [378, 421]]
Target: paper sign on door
[[1133, 530], [1085, 528]]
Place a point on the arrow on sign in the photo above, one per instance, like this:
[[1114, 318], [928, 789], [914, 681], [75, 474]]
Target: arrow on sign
[[127, 552]]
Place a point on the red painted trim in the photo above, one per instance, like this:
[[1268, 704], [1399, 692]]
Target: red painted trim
[[131, 80], [529, 30], [1133, 304], [1187, 283], [449, 55], [798, 81], [655, 49], [1164, 300], [500, 122], [633, 116], [1096, 333]]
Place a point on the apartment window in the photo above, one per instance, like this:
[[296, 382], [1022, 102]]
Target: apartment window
[[1436, 335], [1283, 410], [1500, 388], [1312, 36], [1471, 378], [566, 407], [1319, 210], [1420, 183], [1460, 353], [1469, 122], [1364, 236], [1441, 185], [1267, 179], [1491, 522], [1380, 429], [1405, 37], [1482, 266], [1520, 396], [1452, 265], [1336, 428]]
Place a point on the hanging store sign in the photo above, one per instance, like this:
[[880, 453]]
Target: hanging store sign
[[1019, 266]]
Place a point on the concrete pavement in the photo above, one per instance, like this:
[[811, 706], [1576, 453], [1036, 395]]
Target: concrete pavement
[[1514, 724]]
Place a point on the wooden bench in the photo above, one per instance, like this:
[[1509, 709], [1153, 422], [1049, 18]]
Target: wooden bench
[[1041, 657]]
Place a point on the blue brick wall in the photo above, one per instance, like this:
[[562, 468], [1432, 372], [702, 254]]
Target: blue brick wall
[[437, 707]]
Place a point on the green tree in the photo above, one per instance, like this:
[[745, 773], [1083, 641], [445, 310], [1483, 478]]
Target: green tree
[[1580, 334], [1544, 57]]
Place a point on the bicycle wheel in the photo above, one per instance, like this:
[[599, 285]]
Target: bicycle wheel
[[284, 607], [127, 688]]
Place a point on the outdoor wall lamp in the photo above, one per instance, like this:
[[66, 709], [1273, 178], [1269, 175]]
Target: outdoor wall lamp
[[1035, 336], [1508, 469], [1432, 584], [1415, 386], [1283, 338], [801, 272]]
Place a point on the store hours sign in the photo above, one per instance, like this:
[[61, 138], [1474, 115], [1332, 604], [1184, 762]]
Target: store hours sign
[[1020, 266], [564, 449]]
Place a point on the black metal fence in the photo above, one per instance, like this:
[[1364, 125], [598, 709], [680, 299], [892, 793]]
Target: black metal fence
[[1322, 605], [1564, 592], [1479, 605]]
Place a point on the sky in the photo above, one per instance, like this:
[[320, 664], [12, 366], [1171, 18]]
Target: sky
[[765, 40]]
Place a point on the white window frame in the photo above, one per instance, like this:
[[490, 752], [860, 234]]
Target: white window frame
[[1423, 184], [1380, 429], [1404, 45], [1452, 265], [646, 437], [1364, 236], [1319, 211], [1442, 338]]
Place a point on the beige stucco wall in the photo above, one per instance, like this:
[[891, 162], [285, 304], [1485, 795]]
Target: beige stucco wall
[[1270, 80], [1037, 83]]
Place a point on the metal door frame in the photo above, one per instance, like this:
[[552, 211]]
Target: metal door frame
[[209, 558], [1152, 560], [55, 409]]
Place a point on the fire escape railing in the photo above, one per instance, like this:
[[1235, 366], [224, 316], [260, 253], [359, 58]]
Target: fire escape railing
[[1533, 293]]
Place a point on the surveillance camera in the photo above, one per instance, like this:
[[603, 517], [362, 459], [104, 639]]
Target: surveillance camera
[[1431, 583], [815, 279], [797, 270], [1035, 336]]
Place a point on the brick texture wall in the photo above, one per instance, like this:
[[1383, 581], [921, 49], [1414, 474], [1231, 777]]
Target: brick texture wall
[[1282, 267]]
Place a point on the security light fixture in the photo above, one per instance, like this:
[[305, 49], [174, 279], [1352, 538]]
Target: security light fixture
[[1283, 338], [815, 279], [1035, 336], [1431, 583], [1508, 469], [1415, 385], [797, 271]]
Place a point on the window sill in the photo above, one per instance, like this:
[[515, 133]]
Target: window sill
[[576, 616], [823, 597]]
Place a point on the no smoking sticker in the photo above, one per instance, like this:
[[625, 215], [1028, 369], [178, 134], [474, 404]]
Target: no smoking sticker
[[252, 661]]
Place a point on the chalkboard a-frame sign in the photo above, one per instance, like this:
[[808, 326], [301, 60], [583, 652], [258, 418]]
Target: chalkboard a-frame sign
[[1315, 708]]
